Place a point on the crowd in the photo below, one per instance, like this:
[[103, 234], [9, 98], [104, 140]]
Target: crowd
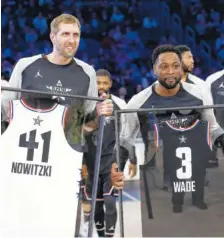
[[206, 18], [111, 39], [110, 34]]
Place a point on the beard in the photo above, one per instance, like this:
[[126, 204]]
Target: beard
[[186, 68], [64, 53], [168, 85], [68, 54]]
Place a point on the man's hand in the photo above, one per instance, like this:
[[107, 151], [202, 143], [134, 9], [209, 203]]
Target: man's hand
[[84, 172], [132, 170], [117, 178], [105, 107]]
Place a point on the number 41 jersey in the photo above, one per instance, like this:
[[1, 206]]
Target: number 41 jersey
[[39, 175]]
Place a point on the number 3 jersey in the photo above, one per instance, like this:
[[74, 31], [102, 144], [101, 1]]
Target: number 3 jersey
[[39, 175], [186, 152]]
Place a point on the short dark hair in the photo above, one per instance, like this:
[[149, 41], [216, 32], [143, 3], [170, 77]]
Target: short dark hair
[[103, 72], [182, 48], [163, 49]]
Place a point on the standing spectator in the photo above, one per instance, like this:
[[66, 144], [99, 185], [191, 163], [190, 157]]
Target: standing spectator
[[94, 22], [30, 35], [201, 24], [117, 16], [116, 33], [149, 22], [40, 23]]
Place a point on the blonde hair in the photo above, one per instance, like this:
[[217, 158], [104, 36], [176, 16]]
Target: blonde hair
[[64, 18]]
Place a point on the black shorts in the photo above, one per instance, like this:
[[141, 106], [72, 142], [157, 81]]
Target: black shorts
[[105, 188]]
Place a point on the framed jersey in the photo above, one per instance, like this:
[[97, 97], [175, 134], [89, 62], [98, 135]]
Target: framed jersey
[[39, 174], [185, 158], [173, 189]]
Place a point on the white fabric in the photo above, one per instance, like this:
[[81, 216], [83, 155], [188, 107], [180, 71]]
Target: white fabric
[[39, 201]]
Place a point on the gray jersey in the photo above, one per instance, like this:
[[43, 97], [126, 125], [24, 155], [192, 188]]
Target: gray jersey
[[188, 95], [215, 84], [195, 80], [108, 154], [37, 73]]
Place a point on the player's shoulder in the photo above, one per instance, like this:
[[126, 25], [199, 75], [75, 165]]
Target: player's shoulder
[[195, 79], [85, 66], [213, 77], [4, 83], [23, 63], [139, 99], [120, 102], [29, 60], [193, 89]]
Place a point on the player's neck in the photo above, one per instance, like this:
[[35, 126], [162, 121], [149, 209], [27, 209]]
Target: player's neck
[[184, 77], [162, 91], [55, 58]]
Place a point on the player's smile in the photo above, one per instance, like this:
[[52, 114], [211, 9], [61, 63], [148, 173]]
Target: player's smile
[[170, 80], [70, 47]]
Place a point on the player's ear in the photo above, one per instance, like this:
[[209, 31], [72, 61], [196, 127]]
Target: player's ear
[[181, 70], [154, 69], [52, 37]]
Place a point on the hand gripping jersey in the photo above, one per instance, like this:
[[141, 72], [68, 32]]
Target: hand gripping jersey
[[39, 175], [186, 152]]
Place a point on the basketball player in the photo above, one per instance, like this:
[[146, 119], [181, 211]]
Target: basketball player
[[188, 66], [187, 60], [215, 83], [35, 201], [188, 77], [171, 92], [59, 71], [106, 193]]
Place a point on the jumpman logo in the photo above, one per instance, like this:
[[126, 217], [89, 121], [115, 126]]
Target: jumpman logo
[[38, 74], [112, 228], [221, 85]]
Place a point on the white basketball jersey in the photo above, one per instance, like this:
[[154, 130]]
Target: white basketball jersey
[[39, 175]]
